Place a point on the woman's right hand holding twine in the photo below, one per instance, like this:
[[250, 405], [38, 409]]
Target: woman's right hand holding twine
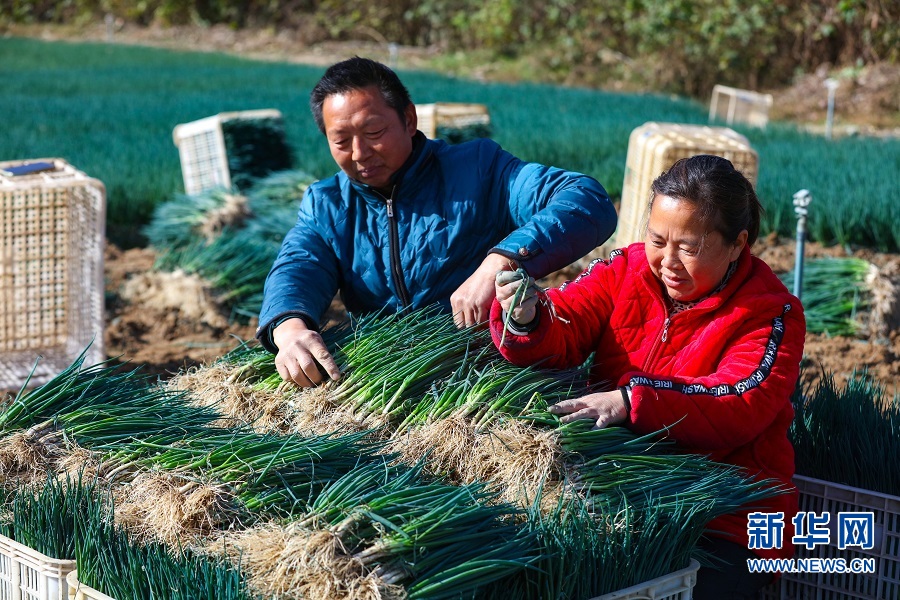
[[518, 295]]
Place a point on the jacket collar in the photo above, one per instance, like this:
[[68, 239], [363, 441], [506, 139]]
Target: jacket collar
[[415, 157]]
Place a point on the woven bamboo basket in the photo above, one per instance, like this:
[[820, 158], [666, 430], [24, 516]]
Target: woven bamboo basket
[[204, 153], [734, 105], [52, 230], [453, 115], [654, 147]]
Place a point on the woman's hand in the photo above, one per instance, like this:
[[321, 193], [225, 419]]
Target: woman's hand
[[509, 290], [605, 408]]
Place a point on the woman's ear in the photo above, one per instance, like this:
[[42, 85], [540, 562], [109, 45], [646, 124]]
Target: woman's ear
[[739, 244]]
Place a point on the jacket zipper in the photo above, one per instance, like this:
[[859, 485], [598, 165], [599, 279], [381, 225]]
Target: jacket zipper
[[651, 356], [394, 236], [664, 335]]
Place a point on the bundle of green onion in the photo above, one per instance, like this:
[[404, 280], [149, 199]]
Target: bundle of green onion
[[74, 519], [440, 541], [833, 291], [101, 404], [110, 561], [419, 367], [840, 432], [255, 147], [458, 134], [267, 473], [229, 240], [235, 265], [586, 551], [43, 517]]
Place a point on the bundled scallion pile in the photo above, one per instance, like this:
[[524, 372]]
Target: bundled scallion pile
[[834, 292], [131, 425], [840, 432], [229, 240], [588, 551], [439, 540], [457, 134], [43, 517], [255, 147], [411, 369], [110, 561], [73, 518], [496, 495], [417, 371]]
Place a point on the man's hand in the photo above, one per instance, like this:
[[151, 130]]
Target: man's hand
[[605, 408], [509, 290], [300, 352], [471, 302]]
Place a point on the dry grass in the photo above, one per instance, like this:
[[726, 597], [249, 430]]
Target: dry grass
[[171, 509], [28, 457], [240, 403], [519, 459], [292, 563], [231, 214]]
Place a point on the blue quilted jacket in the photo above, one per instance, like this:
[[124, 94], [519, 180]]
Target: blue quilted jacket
[[449, 207]]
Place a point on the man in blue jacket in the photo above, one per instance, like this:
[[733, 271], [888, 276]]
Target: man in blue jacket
[[410, 222]]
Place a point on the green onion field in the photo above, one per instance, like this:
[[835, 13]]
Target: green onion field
[[110, 110]]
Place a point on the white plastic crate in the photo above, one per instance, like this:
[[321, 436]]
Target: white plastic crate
[[654, 147], [884, 584], [79, 591], [203, 152], [52, 233], [674, 586], [26, 574], [454, 115], [734, 105]]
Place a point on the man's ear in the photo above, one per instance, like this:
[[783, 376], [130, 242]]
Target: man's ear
[[412, 119]]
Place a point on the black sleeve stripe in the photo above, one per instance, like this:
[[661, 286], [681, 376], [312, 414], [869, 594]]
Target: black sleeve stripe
[[590, 267], [759, 375]]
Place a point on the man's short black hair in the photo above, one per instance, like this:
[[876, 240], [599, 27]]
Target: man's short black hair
[[357, 73]]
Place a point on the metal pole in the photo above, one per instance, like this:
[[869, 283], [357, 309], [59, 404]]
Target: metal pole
[[832, 85], [393, 53], [801, 204], [110, 21]]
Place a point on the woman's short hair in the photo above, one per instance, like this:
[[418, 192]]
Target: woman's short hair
[[724, 198], [354, 74]]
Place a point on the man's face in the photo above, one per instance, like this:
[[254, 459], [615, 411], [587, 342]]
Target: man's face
[[367, 138]]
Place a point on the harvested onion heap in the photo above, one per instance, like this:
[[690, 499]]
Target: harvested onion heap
[[498, 506]]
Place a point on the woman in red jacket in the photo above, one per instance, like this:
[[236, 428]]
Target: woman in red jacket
[[693, 333]]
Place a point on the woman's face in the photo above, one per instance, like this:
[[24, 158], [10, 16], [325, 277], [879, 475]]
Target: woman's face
[[689, 261]]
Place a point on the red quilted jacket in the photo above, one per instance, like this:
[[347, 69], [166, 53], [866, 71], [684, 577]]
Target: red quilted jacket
[[722, 371]]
